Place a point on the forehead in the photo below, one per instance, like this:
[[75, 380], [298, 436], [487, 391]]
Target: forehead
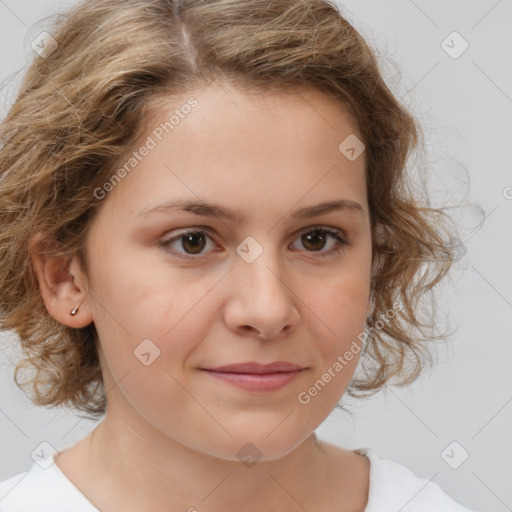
[[243, 145], [249, 99]]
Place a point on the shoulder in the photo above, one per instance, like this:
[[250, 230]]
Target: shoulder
[[400, 489], [43, 488]]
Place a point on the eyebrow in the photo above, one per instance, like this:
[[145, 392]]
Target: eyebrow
[[216, 210]]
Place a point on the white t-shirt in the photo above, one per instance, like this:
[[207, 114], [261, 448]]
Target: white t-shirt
[[393, 488]]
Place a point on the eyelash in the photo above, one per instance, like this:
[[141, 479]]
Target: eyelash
[[341, 242]]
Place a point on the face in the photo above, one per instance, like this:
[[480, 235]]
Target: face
[[175, 292]]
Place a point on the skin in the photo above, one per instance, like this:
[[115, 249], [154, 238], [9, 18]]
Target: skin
[[172, 431]]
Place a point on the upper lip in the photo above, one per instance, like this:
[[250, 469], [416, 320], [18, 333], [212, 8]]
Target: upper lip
[[253, 367]]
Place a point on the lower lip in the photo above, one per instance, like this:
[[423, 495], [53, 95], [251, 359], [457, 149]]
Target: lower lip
[[257, 381]]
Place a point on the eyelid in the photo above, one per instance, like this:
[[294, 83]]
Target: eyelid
[[323, 227]]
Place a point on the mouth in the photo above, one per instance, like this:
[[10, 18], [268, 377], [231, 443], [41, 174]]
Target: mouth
[[252, 376]]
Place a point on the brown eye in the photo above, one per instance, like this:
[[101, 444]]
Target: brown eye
[[193, 243], [316, 239], [187, 244]]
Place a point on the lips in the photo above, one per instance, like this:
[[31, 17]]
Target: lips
[[257, 377], [257, 368]]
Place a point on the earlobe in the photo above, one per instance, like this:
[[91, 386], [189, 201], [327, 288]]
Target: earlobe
[[64, 298]]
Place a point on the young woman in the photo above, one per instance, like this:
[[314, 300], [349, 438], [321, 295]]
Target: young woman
[[206, 225]]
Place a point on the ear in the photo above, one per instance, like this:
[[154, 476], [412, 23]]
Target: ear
[[62, 284]]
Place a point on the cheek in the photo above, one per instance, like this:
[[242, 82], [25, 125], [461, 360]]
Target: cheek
[[338, 307], [337, 310], [156, 328], [142, 295], [149, 363]]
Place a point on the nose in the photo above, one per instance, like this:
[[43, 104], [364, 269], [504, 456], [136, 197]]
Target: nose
[[261, 301]]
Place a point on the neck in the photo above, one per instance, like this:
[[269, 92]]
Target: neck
[[138, 456]]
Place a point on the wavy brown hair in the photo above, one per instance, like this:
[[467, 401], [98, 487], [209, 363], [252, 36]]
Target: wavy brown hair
[[81, 108]]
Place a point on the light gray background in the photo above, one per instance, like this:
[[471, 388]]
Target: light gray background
[[466, 107]]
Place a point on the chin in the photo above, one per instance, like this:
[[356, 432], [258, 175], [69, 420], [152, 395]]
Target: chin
[[250, 448]]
